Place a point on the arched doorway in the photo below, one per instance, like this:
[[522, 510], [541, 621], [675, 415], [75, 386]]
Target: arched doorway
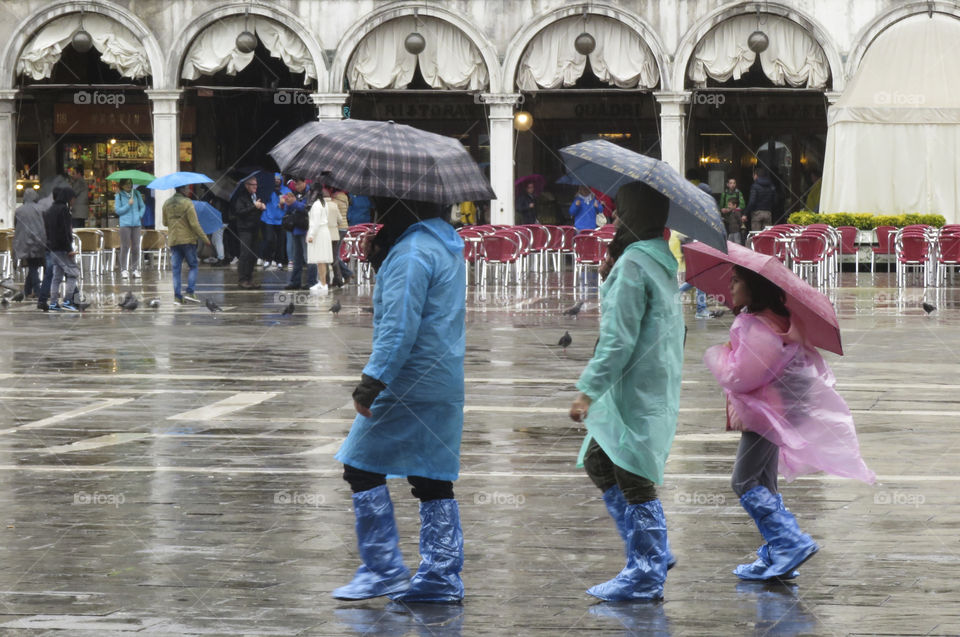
[[576, 95], [750, 110]]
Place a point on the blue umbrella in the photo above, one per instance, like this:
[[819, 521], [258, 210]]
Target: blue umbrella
[[175, 180], [265, 182], [209, 217], [605, 166]]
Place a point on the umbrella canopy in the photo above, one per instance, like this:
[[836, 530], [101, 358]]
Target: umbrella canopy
[[138, 177], [383, 159], [265, 183], [538, 181], [604, 165], [710, 270], [209, 217], [175, 180]]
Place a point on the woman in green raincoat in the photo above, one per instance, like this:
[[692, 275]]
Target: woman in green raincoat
[[630, 391]]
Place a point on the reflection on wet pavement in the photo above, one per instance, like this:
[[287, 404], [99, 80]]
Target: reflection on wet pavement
[[170, 472]]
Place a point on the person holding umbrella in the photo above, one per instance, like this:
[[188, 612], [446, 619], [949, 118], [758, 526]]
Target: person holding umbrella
[[780, 395], [630, 391], [183, 230], [129, 206]]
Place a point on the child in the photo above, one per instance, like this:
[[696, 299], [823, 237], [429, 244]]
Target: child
[[731, 208], [780, 394]]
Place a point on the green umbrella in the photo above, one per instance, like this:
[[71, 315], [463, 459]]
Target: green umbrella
[[136, 176]]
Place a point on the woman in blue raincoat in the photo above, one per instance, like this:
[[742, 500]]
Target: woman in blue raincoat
[[630, 391], [410, 405]]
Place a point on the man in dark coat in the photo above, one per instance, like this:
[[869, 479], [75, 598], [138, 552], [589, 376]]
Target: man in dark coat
[[246, 210], [763, 200], [58, 224]]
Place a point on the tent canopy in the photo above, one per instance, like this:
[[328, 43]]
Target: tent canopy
[[893, 138]]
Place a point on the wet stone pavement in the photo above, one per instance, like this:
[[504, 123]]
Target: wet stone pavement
[[169, 472]]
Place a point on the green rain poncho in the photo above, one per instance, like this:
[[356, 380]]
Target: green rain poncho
[[633, 379]]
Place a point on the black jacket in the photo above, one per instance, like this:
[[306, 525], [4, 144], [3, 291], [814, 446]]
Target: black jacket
[[763, 196], [57, 221], [246, 214]]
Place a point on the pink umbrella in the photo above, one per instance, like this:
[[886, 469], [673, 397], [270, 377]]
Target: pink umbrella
[[538, 182], [710, 270]]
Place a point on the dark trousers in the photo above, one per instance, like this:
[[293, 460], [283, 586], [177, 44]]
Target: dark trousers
[[31, 285], [424, 489], [248, 255], [231, 242], [273, 246], [636, 489], [756, 464]]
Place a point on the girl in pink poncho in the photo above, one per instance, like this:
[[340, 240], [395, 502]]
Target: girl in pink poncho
[[780, 394]]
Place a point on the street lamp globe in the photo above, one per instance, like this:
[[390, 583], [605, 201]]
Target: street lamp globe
[[82, 41], [522, 120], [415, 43], [246, 42], [585, 43], [758, 41]]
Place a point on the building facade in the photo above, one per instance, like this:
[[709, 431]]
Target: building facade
[[168, 86]]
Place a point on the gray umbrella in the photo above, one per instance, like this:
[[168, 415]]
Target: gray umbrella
[[383, 159]]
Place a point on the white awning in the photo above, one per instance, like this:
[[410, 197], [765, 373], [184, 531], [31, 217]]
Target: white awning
[[215, 49], [119, 48], [794, 57], [450, 59], [620, 58], [893, 137]]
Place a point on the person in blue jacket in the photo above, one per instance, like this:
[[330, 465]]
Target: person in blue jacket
[[584, 209], [410, 406], [360, 210], [273, 246], [129, 207]]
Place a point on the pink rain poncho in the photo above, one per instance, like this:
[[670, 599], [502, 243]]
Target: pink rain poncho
[[782, 389]]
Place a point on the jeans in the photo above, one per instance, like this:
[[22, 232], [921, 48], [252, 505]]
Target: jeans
[[271, 248], [130, 248], [299, 260], [217, 240], [604, 474], [44, 293], [64, 267], [756, 464], [424, 489], [178, 254]]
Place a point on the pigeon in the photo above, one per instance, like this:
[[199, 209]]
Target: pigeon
[[213, 307], [565, 341], [287, 311], [929, 308], [9, 284], [717, 313], [126, 299], [154, 303], [17, 297], [131, 303], [83, 307], [4, 302], [336, 307], [573, 311]]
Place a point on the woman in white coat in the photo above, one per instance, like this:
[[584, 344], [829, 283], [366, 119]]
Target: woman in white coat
[[319, 246]]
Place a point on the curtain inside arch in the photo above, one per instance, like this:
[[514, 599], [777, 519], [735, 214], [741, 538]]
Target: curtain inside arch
[[215, 49], [119, 48], [620, 58], [794, 57], [450, 59]]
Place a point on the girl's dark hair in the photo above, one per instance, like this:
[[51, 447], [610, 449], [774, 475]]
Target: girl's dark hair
[[124, 182], [764, 295]]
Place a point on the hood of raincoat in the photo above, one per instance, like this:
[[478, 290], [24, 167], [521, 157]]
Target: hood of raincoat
[[397, 216], [63, 194], [30, 196]]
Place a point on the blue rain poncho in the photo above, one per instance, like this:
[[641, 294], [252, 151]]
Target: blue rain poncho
[[633, 379], [419, 340]]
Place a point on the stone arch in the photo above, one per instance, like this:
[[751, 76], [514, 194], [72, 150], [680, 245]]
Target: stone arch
[[355, 34], [884, 21], [31, 25], [522, 39], [696, 33], [181, 45]]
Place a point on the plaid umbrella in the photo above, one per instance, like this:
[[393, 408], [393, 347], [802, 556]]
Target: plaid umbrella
[[383, 159], [604, 165]]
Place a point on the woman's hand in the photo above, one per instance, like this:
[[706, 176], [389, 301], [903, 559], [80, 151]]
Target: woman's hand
[[580, 407]]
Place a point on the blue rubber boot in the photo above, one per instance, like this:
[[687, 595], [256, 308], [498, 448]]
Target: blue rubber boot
[[616, 504], [646, 570], [749, 571], [787, 546], [441, 556], [382, 571]]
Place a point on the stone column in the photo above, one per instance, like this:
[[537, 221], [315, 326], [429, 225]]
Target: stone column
[[501, 154], [166, 141], [672, 127], [8, 172], [329, 105]]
